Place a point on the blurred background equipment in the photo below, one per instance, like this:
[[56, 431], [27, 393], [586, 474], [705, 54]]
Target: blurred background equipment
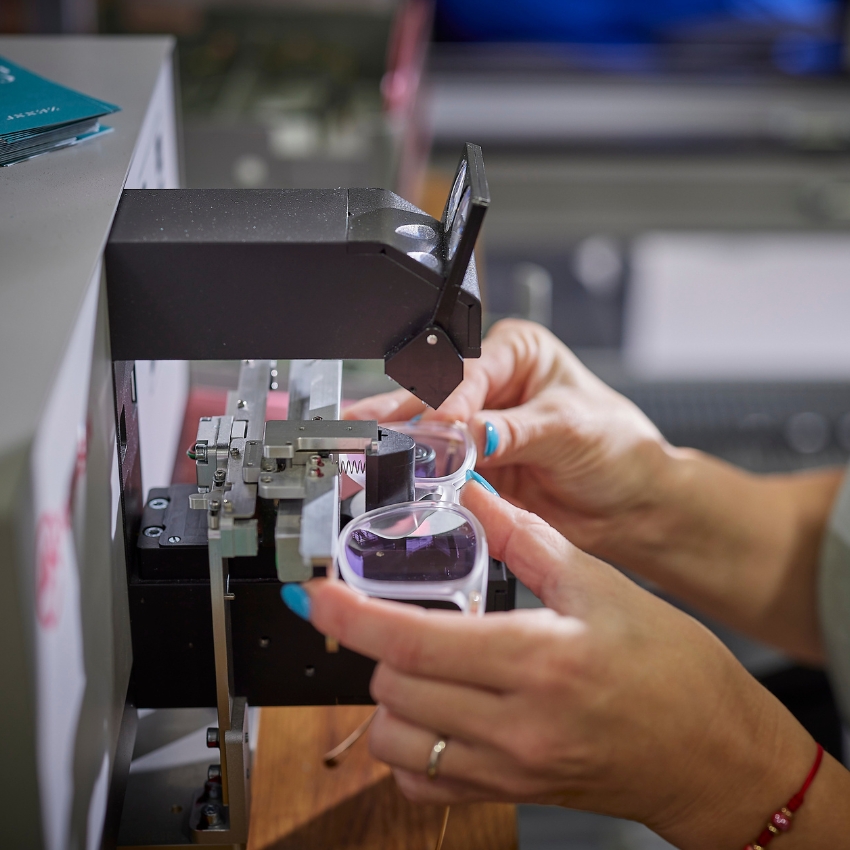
[[293, 93], [300, 96]]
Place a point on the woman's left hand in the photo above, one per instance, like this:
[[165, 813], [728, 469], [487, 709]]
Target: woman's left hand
[[609, 700]]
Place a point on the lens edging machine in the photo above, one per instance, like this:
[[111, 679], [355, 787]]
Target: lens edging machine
[[315, 277]]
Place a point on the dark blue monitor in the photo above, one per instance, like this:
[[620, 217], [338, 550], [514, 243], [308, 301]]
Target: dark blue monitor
[[798, 37]]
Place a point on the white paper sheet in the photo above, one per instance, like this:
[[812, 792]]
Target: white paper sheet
[[58, 461], [739, 306]]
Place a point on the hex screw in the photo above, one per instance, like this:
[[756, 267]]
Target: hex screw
[[268, 464], [174, 539], [214, 772], [213, 516], [219, 476], [212, 738], [234, 451], [158, 504], [153, 531], [241, 403], [265, 479], [212, 815]]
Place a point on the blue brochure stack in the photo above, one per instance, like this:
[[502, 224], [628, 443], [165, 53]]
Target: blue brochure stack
[[37, 115]]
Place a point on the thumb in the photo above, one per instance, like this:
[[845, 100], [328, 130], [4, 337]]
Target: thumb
[[544, 561]]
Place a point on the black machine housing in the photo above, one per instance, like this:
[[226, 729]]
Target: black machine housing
[[267, 274]]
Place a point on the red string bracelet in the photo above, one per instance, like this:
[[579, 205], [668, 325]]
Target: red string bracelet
[[781, 820]]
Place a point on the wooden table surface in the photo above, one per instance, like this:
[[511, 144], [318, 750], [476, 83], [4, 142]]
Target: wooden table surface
[[299, 804]]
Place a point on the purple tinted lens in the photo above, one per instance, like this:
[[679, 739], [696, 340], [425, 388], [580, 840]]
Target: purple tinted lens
[[423, 557], [438, 455], [425, 460]]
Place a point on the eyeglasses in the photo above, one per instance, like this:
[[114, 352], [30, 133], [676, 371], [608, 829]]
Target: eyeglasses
[[444, 453], [417, 551]]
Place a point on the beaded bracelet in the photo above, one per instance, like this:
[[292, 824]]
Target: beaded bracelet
[[781, 820]]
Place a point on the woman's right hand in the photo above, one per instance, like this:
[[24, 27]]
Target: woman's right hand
[[551, 436]]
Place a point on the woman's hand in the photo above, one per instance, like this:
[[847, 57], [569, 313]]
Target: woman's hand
[[557, 441], [551, 436], [612, 701]]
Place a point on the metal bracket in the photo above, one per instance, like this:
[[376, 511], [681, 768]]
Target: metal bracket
[[297, 469], [221, 811]]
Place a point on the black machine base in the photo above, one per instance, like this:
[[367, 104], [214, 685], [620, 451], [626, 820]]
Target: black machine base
[[278, 658]]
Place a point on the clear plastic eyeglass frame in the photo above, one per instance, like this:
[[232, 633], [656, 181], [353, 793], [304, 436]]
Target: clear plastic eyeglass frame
[[417, 551], [445, 452]]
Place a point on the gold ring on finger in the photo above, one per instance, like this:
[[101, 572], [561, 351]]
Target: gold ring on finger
[[434, 759]]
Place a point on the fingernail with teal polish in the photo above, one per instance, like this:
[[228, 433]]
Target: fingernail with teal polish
[[491, 441], [296, 600], [416, 418], [472, 475]]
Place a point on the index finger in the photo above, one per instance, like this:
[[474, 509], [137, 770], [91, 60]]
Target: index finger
[[386, 407], [502, 377], [438, 644]]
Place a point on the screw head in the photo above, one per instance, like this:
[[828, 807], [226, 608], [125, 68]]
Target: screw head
[[214, 772], [214, 505], [241, 403], [159, 504], [211, 815], [265, 479], [431, 339], [153, 531], [174, 538], [220, 475], [234, 451]]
